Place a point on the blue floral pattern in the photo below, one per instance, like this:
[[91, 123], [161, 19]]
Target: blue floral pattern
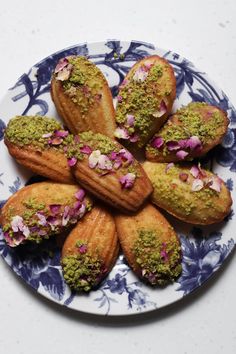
[[121, 292]]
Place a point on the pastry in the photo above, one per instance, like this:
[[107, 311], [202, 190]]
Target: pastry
[[41, 210], [38, 143], [150, 245], [145, 100], [82, 96], [191, 132], [90, 250], [109, 171], [190, 193]]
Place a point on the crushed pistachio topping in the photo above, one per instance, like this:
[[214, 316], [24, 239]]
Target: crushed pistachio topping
[[82, 271], [82, 81], [192, 132], [30, 130], [39, 221], [142, 97], [170, 187], [159, 261]]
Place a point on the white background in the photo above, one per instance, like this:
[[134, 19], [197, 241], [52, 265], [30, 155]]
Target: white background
[[205, 33]]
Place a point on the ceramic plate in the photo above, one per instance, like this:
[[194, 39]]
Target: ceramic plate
[[204, 249]]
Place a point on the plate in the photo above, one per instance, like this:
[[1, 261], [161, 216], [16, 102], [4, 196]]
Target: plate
[[204, 249]]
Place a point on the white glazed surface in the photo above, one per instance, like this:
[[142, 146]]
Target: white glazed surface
[[203, 322]]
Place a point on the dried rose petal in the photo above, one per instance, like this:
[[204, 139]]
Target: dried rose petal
[[54, 208], [121, 133], [117, 164], [194, 170], [104, 163], [214, 183], [157, 142], [130, 120], [119, 98], [134, 138], [161, 111], [183, 143], [86, 150], [181, 154], [61, 65], [140, 74], [127, 181], [83, 249], [42, 219], [93, 158], [113, 155], [17, 223], [197, 185], [126, 155], [80, 194], [168, 166], [172, 145], [66, 216], [47, 135], [61, 133], [72, 161], [194, 142], [76, 205], [64, 74]]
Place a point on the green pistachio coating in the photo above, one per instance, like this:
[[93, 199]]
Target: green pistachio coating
[[157, 268]]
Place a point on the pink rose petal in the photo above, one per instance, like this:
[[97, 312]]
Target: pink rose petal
[[194, 170], [127, 181], [134, 138], [86, 150], [214, 183], [77, 205], [54, 208], [168, 166], [121, 133], [197, 185], [47, 135], [113, 155], [183, 143], [140, 74], [161, 111], [157, 142], [130, 120], [194, 142], [181, 154], [80, 194], [93, 158], [83, 249], [119, 98], [42, 219], [126, 155], [104, 163], [172, 145], [72, 161], [17, 223], [61, 133], [63, 62]]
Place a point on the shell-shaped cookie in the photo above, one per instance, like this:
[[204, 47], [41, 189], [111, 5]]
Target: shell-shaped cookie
[[190, 193], [90, 250], [82, 96], [191, 132], [109, 171], [145, 100], [41, 210], [38, 143], [150, 245]]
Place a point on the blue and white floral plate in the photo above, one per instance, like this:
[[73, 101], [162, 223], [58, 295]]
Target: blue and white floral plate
[[204, 249]]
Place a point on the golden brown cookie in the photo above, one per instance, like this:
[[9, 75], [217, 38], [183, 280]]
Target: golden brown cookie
[[90, 250], [109, 171], [150, 245], [82, 96], [191, 132], [41, 210], [145, 100], [190, 193], [38, 143]]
